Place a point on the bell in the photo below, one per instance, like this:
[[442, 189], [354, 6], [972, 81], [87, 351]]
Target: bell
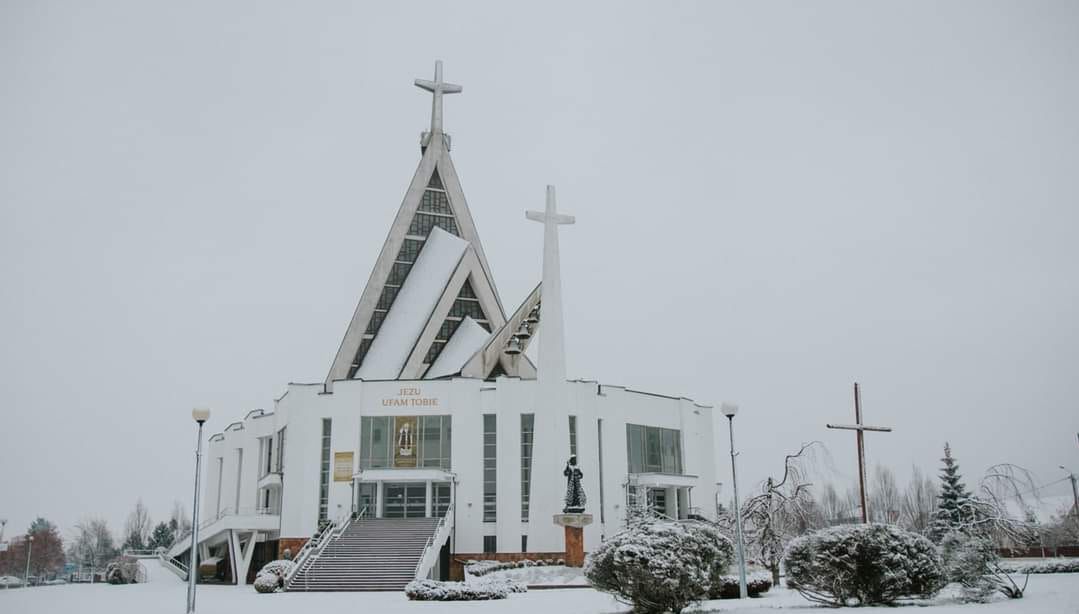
[[525, 332], [533, 316], [514, 346]]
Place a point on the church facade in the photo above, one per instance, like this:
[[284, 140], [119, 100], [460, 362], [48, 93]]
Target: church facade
[[433, 408]]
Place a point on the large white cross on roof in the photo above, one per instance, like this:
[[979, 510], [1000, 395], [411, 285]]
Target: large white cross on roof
[[438, 87]]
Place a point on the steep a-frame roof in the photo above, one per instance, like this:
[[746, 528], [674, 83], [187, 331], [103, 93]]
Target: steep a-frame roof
[[434, 205]]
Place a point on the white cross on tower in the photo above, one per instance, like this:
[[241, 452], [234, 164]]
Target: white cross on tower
[[437, 87], [552, 358], [860, 429]]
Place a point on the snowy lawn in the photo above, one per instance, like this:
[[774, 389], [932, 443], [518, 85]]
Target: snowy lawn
[[1047, 594]]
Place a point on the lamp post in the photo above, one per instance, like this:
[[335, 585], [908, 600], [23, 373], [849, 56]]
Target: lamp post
[[729, 410], [200, 415], [1075, 491], [29, 549]]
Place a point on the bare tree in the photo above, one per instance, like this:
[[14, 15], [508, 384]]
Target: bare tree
[[93, 545], [138, 527], [833, 508], [783, 510], [884, 499], [919, 502]]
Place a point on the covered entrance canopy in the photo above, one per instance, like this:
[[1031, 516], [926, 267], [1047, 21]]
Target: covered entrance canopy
[[403, 493]]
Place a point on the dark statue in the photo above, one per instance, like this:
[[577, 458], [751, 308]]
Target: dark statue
[[575, 498]]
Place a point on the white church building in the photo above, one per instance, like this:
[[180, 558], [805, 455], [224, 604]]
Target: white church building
[[434, 427]]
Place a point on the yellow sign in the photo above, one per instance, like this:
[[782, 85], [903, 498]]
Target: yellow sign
[[405, 437], [342, 466]]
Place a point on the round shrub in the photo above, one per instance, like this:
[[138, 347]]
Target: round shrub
[[863, 564], [271, 577], [657, 566]]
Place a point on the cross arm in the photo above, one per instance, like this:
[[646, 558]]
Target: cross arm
[[541, 217], [860, 427], [438, 86]]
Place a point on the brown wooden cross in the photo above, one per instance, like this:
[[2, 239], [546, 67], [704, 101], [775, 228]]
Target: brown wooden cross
[[860, 429]]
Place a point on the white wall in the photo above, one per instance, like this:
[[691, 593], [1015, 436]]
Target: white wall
[[302, 408]]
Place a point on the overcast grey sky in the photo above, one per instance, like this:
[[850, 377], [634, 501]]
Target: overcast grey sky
[[773, 201]]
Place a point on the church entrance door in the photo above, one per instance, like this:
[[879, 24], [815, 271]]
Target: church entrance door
[[408, 500]]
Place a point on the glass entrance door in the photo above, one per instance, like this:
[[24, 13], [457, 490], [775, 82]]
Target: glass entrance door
[[404, 500]]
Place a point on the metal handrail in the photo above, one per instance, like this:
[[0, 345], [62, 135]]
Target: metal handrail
[[442, 523], [318, 542]]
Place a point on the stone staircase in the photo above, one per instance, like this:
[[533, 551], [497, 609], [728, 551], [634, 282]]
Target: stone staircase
[[372, 554]]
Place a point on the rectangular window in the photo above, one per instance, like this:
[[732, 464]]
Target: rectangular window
[[374, 442], [398, 273], [527, 425], [524, 543], [280, 451], [433, 437], [422, 224], [324, 473], [410, 250], [599, 448], [654, 449], [435, 202], [385, 300], [435, 441], [573, 436], [490, 468], [239, 477], [490, 544]]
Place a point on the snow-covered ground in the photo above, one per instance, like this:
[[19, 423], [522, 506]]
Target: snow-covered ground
[[1047, 594]]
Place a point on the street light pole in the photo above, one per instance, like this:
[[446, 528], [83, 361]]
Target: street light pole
[[29, 549], [201, 415], [729, 410]]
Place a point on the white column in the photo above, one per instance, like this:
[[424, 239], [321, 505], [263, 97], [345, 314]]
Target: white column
[[427, 500], [378, 499]]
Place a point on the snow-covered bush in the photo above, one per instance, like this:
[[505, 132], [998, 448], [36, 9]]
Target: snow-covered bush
[[479, 590], [122, 571], [477, 569], [863, 564], [271, 577], [966, 561], [267, 583], [1048, 566], [727, 587], [973, 562], [659, 565]]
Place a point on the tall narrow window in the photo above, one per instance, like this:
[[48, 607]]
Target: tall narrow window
[[220, 478], [490, 544], [599, 448], [527, 424], [239, 477], [490, 468], [573, 436], [280, 462], [324, 473]]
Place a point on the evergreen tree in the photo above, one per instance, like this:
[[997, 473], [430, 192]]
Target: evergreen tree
[[954, 510], [162, 537]]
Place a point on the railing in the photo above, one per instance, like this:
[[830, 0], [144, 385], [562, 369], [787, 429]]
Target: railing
[[312, 550], [430, 553], [172, 564], [228, 511], [143, 553]]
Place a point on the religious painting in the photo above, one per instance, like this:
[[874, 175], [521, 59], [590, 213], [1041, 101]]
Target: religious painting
[[342, 466], [405, 437]]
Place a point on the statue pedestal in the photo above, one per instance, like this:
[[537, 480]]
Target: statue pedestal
[[574, 525]]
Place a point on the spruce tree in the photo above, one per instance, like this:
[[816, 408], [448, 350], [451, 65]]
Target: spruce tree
[[953, 504]]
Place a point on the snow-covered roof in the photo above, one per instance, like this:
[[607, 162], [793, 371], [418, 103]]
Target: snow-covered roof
[[413, 306], [466, 341]]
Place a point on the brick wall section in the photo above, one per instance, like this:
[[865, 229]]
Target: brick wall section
[[293, 544], [458, 560], [1036, 552]]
